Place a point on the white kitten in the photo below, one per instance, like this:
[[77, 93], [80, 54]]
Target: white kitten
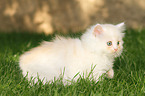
[[98, 46]]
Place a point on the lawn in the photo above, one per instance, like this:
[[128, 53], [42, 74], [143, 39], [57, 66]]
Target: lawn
[[129, 69]]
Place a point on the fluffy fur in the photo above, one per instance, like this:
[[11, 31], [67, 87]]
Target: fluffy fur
[[75, 55]]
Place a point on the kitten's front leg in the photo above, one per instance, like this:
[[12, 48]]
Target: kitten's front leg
[[110, 73]]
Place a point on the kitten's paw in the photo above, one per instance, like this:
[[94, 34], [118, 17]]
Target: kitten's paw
[[110, 74]]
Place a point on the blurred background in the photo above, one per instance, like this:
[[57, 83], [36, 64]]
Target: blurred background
[[64, 15]]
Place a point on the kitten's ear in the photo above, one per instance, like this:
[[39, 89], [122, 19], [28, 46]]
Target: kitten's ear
[[121, 26], [98, 30]]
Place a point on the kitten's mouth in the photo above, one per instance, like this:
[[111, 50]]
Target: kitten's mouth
[[114, 52]]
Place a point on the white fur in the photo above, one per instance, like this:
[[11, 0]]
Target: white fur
[[75, 55]]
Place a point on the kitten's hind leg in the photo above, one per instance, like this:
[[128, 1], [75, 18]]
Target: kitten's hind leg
[[110, 73]]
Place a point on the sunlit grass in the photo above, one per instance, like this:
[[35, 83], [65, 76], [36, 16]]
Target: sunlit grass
[[129, 69]]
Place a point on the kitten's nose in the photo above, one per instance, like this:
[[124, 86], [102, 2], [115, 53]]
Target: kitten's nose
[[115, 50]]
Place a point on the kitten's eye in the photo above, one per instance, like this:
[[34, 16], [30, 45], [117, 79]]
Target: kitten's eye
[[118, 43], [109, 43]]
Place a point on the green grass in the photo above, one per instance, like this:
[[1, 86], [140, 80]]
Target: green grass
[[129, 79]]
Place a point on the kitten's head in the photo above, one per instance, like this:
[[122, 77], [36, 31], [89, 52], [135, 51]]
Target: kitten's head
[[105, 38]]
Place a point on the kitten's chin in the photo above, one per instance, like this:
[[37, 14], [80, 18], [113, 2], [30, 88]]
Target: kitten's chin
[[113, 54], [117, 54]]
